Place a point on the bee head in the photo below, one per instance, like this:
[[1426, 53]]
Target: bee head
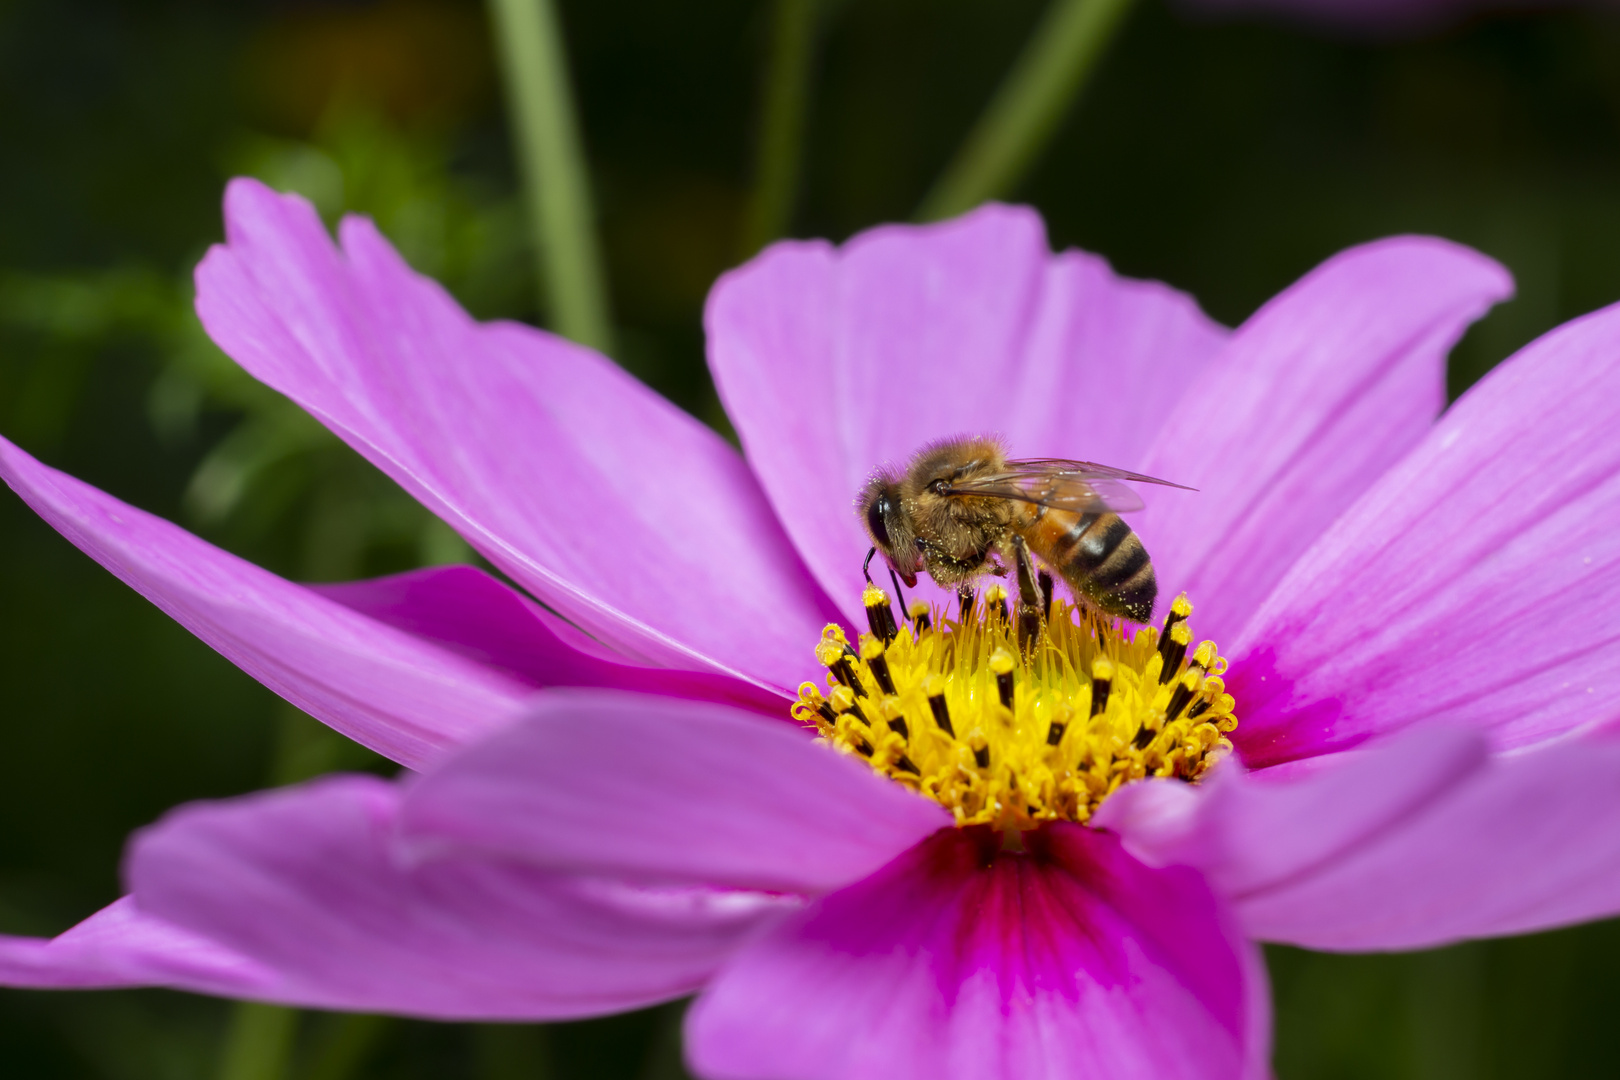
[[883, 514]]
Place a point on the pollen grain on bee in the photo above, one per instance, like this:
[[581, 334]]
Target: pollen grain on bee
[[1011, 731]]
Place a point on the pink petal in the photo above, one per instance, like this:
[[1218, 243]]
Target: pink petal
[[121, 945], [469, 612], [1526, 842], [308, 882], [1250, 832], [398, 694], [656, 789], [1314, 397], [610, 505], [956, 961], [1479, 582], [833, 362]]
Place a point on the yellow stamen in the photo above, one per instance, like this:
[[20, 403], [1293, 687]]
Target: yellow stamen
[[1012, 734]]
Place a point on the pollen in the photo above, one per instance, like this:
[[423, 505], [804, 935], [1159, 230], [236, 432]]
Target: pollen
[[1009, 725]]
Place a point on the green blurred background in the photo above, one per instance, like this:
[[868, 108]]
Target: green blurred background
[[1224, 158]]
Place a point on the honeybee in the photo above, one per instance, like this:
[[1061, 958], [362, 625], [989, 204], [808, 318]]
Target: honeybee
[[961, 509]]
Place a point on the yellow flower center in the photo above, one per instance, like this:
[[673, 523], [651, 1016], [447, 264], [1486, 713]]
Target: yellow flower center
[[1010, 722]]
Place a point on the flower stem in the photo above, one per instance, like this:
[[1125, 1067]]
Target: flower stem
[[1013, 130], [552, 163], [259, 1042], [780, 147]]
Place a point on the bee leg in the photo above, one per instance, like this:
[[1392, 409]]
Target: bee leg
[[1044, 580], [898, 594], [1029, 597], [866, 567]]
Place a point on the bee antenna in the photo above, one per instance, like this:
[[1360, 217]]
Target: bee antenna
[[866, 567]]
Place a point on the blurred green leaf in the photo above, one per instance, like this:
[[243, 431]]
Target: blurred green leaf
[[556, 178], [779, 141], [259, 1042], [1028, 107]]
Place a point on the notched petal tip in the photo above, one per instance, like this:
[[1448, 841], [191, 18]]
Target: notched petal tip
[[495, 427]]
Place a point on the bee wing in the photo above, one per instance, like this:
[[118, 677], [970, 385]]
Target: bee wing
[[1056, 490], [1081, 486], [1086, 469]]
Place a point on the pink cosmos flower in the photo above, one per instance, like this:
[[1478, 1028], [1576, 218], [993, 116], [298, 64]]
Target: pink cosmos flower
[[608, 809]]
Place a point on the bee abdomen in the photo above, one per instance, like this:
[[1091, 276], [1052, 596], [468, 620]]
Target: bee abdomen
[[1100, 557]]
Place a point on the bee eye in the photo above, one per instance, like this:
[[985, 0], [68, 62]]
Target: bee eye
[[875, 523], [940, 487]]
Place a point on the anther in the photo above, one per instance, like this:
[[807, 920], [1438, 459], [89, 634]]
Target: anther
[[964, 601], [1179, 610], [1102, 680], [845, 674], [1001, 665], [1204, 655], [1173, 648], [995, 602], [894, 718], [810, 697], [1189, 685], [934, 687], [920, 618], [981, 750], [834, 656], [1044, 581], [872, 653], [1060, 724], [879, 615], [843, 701]]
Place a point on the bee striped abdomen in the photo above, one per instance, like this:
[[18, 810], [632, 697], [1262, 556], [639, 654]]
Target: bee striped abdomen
[[1101, 559]]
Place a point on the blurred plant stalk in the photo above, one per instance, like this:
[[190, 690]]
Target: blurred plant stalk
[[259, 1042], [779, 149], [1028, 107], [552, 163]]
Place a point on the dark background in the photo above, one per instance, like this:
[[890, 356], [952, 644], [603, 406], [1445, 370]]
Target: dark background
[[1224, 158]]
